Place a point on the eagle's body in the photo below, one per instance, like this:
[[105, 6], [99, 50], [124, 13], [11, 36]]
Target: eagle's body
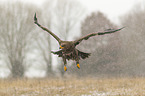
[[68, 49], [69, 52], [72, 54]]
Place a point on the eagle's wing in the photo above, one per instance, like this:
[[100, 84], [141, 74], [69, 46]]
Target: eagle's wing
[[45, 29], [76, 42]]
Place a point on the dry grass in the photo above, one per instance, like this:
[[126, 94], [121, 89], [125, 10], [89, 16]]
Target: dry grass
[[73, 87]]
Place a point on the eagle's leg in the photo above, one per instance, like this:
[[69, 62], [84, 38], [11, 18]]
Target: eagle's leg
[[77, 58], [64, 60], [78, 65]]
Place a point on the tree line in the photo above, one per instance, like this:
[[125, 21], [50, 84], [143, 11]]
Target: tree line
[[23, 45]]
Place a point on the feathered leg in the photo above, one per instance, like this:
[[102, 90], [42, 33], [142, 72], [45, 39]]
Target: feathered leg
[[64, 60], [77, 58], [78, 65]]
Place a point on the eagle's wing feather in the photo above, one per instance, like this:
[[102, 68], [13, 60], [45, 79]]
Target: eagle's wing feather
[[45, 29], [76, 42]]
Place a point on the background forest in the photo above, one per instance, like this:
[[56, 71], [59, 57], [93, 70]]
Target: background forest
[[25, 48]]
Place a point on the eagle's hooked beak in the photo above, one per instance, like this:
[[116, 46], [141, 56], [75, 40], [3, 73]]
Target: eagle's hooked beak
[[60, 47]]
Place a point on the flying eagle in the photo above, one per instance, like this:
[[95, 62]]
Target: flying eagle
[[67, 48]]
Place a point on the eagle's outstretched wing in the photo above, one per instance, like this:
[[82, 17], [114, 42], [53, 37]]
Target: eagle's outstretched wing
[[76, 42], [45, 29]]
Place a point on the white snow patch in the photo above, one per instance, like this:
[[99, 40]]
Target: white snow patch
[[96, 93]]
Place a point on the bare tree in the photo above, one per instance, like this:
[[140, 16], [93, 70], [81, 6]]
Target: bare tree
[[133, 53], [16, 35], [44, 39], [104, 49]]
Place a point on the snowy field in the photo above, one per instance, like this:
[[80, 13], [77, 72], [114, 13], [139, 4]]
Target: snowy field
[[73, 87]]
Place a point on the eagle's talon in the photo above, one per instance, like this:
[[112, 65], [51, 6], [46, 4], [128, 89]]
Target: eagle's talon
[[65, 68], [78, 66]]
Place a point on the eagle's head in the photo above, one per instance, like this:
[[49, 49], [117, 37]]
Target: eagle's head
[[66, 45]]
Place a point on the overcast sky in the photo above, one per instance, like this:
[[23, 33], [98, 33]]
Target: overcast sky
[[111, 8]]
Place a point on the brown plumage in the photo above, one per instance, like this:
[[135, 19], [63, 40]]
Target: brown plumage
[[67, 48]]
